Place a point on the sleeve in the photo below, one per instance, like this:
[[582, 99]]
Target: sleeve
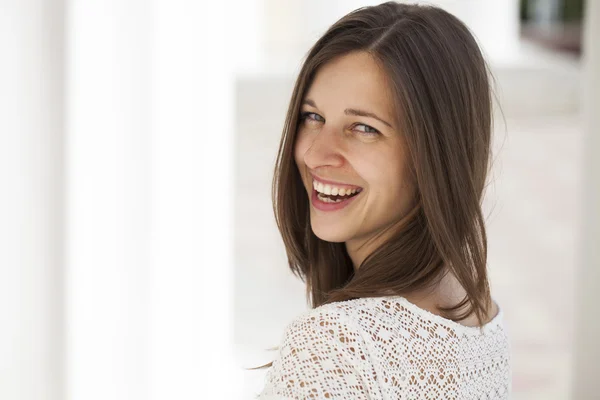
[[322, 356]]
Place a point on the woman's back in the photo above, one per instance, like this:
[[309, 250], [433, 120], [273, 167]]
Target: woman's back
[[388, 348]]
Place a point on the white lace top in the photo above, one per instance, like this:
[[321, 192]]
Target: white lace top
[[388, 348]]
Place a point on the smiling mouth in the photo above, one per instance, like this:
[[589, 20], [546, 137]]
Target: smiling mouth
[[331, 198]]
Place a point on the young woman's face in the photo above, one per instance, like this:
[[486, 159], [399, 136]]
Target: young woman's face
[[348, 135]]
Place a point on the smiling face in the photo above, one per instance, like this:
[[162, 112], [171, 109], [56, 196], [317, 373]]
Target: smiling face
[[348, 135]]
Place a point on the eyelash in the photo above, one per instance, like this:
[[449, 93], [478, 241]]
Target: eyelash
[[375, 132]]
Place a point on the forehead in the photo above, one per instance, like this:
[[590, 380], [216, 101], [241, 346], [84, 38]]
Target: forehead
[[353, 80]]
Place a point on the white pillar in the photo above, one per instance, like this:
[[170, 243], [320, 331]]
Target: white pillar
[[149, 236], [191, 346], [585, 383], [108, 180], [31, 172]]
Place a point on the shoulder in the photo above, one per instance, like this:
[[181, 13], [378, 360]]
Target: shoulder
[[328, 322], [354, 322], [322, 354], [346, 324], [327, 332]]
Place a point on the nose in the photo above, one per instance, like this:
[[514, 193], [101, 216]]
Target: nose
[[325, 149]]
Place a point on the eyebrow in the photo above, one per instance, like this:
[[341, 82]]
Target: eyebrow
[[352, 111]]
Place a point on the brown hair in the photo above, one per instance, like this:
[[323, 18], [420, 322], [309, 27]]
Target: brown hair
[[444, 108]]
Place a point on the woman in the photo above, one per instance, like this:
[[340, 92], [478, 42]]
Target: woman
[[377, 194]]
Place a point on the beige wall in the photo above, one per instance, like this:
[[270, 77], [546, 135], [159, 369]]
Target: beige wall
[[585, 382]]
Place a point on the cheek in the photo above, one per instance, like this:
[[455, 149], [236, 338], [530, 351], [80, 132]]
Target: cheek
[[300, 148], [386, 174]]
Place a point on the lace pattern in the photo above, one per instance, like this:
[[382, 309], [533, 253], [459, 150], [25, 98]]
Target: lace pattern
[[388, 348]]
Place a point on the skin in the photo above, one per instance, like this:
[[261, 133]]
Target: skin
[[366, 152], [354, 150]]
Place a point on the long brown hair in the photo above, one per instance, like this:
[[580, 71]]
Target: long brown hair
[[443, 100]]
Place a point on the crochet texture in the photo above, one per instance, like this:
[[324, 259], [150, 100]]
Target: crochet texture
[[388, 348]]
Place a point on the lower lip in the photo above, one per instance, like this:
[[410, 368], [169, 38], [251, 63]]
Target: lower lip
[[320, 205]]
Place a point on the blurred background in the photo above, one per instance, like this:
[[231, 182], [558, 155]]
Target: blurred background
[[140, 257]]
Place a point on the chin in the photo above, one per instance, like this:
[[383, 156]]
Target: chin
[[330, 234]]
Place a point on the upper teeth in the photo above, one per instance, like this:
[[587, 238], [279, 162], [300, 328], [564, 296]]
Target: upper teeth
[[333, 190]]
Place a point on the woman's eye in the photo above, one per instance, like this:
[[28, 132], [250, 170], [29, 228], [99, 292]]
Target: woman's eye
[[310, 116], [368, 131], [314, 117]]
